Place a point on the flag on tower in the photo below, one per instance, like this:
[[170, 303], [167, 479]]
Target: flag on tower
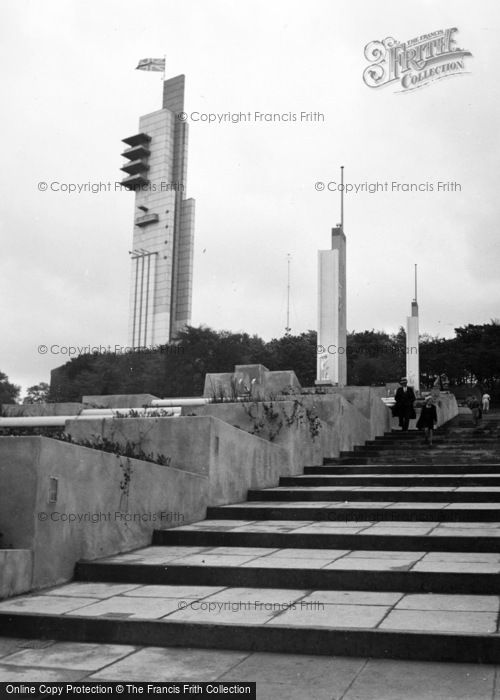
[[156, 64]]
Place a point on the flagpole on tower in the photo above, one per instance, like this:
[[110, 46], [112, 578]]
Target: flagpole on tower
[[164, 63]]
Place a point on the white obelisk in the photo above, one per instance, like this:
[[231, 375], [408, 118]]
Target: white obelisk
[[332, 326], [412, 347]]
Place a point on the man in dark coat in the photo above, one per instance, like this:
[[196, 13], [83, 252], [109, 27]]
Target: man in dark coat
[[404, 406]]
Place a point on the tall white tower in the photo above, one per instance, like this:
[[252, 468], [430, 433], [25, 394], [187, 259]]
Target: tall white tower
[[412, 346], [331, 368], [332, 326], [162, 248]]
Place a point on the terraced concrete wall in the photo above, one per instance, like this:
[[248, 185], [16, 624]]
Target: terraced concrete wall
[[345, 417], [104, 504], [231, 460]]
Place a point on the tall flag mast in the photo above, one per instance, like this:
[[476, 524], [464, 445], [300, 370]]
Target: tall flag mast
[[288, 329], [412, 343], [331, 363]]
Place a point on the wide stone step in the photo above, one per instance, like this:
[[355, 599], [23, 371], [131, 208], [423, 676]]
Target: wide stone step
[[458, 455], [345, 512], [396, 469], [328, 569], [454, 444], [303, 620], [469, 494], [410, 535], [434, 458], [299, 620], [413, 479], [315, 639]]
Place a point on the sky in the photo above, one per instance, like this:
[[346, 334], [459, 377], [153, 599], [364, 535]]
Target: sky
[[71, 94]]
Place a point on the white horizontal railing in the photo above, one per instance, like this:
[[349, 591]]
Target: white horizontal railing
[[193, 401], [88, 414], [148, 412]]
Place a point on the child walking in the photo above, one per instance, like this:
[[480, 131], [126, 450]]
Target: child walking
[[428, 419]]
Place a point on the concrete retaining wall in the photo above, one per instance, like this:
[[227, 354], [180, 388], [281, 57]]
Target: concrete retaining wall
[[16, 571], [230, 459], [14, 410], [105, 504], [346, 417], [118, 400]]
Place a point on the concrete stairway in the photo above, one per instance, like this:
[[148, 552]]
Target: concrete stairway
[[392, 550]]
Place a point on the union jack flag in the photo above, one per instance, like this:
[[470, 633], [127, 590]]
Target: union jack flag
[[156, 64]]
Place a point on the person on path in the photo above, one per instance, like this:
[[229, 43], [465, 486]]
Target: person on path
[[404, 408], [475, 407], [428, 419]]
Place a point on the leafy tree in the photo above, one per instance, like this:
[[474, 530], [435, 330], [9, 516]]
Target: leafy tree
[[295, 352], [373, 357], [9, 393], [38, 393]]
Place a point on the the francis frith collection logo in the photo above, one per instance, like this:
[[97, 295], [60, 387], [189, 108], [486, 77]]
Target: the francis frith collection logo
[[414, 63]]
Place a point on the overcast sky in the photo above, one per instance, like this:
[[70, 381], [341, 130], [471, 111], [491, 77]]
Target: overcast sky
[[70, 94]]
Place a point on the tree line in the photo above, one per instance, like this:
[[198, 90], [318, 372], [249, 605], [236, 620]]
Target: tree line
[[373, 358]]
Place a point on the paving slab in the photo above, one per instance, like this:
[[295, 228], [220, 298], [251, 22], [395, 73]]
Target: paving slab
[[370, 564], [152, 555], [91, 590], [273, 526], [171, 591], [49, 604], [242, 551], [8, 645], [333, 528], [23, 674], [389, 529], [462, 567], [310, 553], [384, 554], [439, 601], [311, 676], [212, 560], [224, 612], [213, 522], [321, 615], [402, 680], [281, 596], [354, 597], [441, 621], [169, 664], [419, 505], [477, 505], [272, 691], [485, 557], [123, 607], [71, 655], [272, 562]]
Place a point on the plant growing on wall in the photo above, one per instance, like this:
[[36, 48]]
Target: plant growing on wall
[[127, 476], [300, 415], [130, 449], [270, 420]]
